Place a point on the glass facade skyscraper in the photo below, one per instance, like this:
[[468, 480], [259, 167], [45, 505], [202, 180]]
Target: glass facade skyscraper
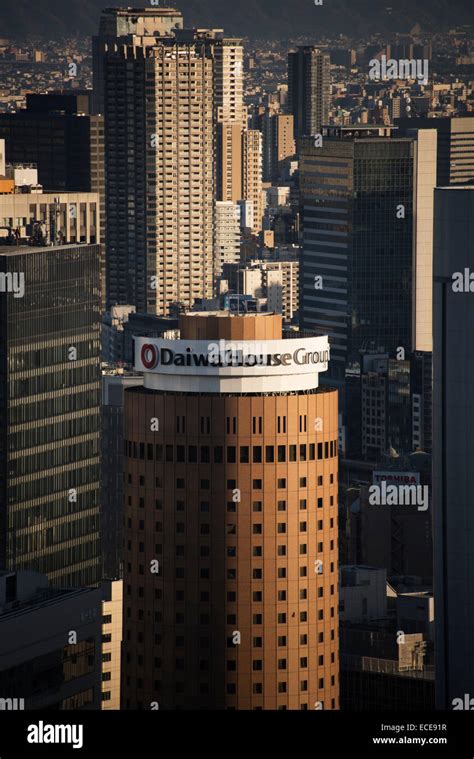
[[356, 264], [49, 412]]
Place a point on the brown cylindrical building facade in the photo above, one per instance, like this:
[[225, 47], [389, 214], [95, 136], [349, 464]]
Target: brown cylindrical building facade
[[230, 588]]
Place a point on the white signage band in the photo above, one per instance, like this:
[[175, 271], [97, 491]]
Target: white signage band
[[224, 366]]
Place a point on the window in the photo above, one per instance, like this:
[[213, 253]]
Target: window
[[244, 454], [281, 573], [281, 483], [257, 484], [257, 506], [257, 529], [257, 596], [281, 528], [303, 616], [292, 453], [257, 642], [281, 663], [231, 454], [257, 454], [281, 550], [281, 619], [303, 549], [281, 506], [303, 504], [282, 595], [302, 482], [304, 685], [303, 640], [257, 619], [257, 574], [257, 551], [304, 594], [302, 526], [269, 454], [303, 662], [281, 453], [320, 503], [282, 687], [257, 665], [281, 640], [257, 688]]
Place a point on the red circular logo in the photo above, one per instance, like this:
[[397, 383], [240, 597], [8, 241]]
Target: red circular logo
[[149, 356]]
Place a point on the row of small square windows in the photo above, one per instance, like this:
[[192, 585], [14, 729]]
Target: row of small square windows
[[231, 664], [232, 618], [231, 688], [204, 597], [182, 454], [257, 506], [231, 484], [231, 507], [204, 690], [257, 573], [230, 643]]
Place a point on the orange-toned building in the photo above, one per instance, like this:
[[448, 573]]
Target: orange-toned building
[[230, 586]]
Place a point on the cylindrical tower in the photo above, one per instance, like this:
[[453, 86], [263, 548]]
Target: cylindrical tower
[[230, 587]]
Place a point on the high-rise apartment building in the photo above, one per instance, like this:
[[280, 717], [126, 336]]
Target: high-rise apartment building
[[252, 187], [231, 520], [227, 235], [278, 143], [277, 281], [453, 424], [127, 25], [50, 406], [160, 201], [229, 82], [309, 89]]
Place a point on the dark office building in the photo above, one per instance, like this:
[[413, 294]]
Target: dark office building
[[453, 442], [309, 89], [67, 144], [113, 387], [57, 133], [50, 411], [356, 263], [41, 667]]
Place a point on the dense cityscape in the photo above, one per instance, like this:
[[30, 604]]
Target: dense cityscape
[[235, 370]]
